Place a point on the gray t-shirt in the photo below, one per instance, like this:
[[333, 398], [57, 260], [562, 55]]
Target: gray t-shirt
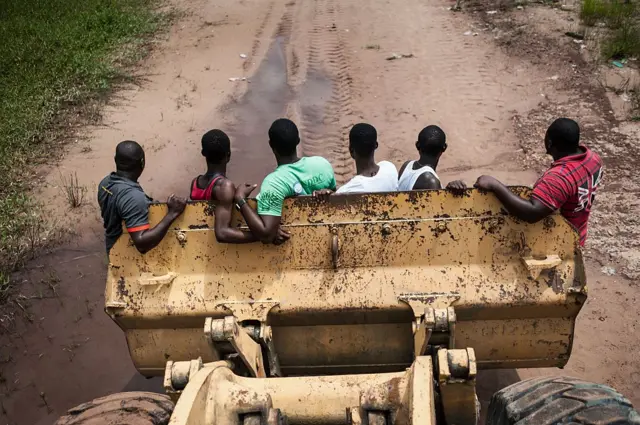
[[121, 200]]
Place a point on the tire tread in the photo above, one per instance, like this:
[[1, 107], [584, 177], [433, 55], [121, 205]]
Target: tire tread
[[560, 400], [134, 408]]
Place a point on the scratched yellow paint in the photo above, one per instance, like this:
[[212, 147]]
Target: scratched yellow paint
[[337, 293]]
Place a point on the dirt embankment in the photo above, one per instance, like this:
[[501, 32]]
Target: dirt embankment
[[324, 63]]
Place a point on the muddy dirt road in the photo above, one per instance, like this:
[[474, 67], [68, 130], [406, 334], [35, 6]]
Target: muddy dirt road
[[324, 64]]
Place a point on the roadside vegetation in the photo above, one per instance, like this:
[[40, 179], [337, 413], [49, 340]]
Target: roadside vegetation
[[58, 60], [622, 19], [618, 39]]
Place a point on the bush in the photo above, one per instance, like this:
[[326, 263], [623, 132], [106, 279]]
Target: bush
[[621, 17], [613, 13], [623, 42]]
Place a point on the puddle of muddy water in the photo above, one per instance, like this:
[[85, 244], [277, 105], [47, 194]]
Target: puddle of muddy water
[[265, 100]]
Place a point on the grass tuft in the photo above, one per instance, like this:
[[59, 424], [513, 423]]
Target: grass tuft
[[622, 19], [72, 190], [613, 13], [5, 287], [57, 57], [623, 42]]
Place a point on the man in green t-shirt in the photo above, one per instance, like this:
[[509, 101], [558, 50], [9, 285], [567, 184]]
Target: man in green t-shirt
[[294, 176]]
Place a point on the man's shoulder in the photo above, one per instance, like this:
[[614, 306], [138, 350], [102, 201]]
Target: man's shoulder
[[276, 180], [388, 165], [274, 176], [105, 180], [128, 193], [352, 186], [317, 161], [427, 180], [555, 174], [593, 158], [224, 190]]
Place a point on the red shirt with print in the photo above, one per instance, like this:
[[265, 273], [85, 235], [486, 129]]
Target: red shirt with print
[[570, 186]]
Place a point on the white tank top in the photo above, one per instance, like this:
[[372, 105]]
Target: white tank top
[[410, 176], [386, 180]]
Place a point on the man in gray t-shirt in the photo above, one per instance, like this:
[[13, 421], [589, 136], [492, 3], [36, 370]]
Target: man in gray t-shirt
[[122, 199]]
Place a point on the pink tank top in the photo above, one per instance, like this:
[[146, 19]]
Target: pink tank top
[[198, 194]]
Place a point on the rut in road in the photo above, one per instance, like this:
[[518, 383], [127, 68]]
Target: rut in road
[[325, 97]]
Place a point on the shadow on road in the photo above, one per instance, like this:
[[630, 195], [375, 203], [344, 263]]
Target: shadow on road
[[140, 383], [490, 381]]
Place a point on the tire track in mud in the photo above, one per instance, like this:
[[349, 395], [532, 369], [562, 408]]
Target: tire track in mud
[[258, 36], [325, 96]]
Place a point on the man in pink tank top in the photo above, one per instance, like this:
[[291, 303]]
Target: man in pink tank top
[[215, 186]]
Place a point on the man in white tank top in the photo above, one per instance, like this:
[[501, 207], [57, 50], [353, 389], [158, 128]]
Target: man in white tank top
[[371, 177], [421, 174]]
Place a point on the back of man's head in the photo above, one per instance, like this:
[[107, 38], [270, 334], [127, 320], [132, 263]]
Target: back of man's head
[[564, 135], [216, 146], [432, 140], [363, 139], [284, 137], [129, 156]]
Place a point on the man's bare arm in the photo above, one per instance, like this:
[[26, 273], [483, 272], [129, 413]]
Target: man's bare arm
[[264, 227], [530, 210], [224, 194], [146, 240]]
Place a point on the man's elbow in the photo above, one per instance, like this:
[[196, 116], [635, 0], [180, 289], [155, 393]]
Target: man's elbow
[[222, 236], [143, 249], [531, 217]]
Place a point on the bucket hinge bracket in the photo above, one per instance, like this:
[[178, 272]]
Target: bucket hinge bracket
[[233, 343], [436, 326]]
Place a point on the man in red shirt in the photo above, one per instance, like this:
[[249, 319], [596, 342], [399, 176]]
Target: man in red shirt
[[569, 185]]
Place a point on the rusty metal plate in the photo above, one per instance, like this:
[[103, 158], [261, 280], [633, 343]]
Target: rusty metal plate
[[357, 268]]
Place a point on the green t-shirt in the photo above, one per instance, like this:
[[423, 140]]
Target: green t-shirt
[[300, 178]]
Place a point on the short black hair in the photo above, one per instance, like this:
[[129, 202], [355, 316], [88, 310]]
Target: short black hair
[[363, 139], [564, 134], [284, 136], [129, 156], [216, 145], [432, 140]]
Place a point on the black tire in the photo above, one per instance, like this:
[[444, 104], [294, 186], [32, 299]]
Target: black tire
[[131, 408], [559, 400]]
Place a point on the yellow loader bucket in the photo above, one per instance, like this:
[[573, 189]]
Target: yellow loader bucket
[[365, 284]]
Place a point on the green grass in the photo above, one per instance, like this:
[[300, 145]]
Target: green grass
[[623, 42], [611, 12], [622, 20], [55, 56]]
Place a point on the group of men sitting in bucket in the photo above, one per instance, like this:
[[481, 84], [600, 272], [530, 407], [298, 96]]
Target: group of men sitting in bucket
[[569, 185]]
